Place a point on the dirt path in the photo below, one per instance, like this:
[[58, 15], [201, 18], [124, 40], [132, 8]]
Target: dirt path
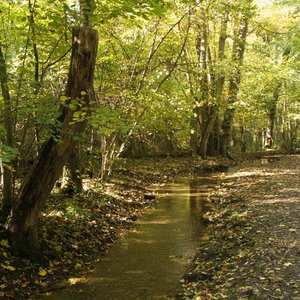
[[253, 247]]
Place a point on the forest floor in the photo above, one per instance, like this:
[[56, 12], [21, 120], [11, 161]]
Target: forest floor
[[77, 229], [252, 248]]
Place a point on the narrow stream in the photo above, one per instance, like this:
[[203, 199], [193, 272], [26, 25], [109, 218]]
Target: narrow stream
[[148, 261]]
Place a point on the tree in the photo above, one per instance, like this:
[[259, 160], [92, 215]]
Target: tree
[[238, 50], [217, 85], [22, 223], [270, 85], [8, 189]]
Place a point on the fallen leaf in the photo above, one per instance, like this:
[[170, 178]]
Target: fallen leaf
[[42, 272], [10, 268]]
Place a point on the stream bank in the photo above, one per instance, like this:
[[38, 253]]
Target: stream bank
[[252, 247], [149, 261], [76, 230]]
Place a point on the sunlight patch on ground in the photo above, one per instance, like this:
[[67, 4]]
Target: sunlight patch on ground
[[198, 195], [275, 200], [76, 280], [289, 172], [157, 222], [244, 173], [54, 214]]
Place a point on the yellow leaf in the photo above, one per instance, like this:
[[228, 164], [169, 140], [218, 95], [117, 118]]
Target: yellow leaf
[[42, 272], [4, 243], [10, 268], [63, 98], [83, 93]]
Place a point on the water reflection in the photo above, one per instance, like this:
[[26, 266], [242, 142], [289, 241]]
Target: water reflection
[[148, 262]]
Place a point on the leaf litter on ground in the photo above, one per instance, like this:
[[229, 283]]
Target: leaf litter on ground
[[77, 230], [252, 247]]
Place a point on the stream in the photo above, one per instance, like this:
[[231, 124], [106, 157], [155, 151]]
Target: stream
[[148, 261]]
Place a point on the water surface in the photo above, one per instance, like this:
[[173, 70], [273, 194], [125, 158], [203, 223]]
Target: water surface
[[148, 261]]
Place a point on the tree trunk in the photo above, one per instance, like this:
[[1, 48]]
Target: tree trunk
[[272, 118], [8, 178], [71, 182], [213, 141], [207, 131], [272, 115], [201, 114], [195, 129], [22, 222], [75, 167], [243, 139], [217, 89], [234, 84]]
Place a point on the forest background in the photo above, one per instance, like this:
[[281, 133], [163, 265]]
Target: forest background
[[86, 83]]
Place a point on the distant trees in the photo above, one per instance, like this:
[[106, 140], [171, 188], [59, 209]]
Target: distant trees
[[270, 86], [218, 79]]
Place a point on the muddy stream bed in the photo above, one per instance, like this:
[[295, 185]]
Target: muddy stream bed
[[148, 261]]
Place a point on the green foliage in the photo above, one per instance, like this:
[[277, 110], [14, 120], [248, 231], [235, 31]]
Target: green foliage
[[131, 9], [145, 86], [107, 121], [7, 153]]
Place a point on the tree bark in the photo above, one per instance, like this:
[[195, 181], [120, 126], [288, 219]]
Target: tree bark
[[217, 88], [8, 178], [195, 129], [272, 114], [243, 139], [75, 167], [234, 84], [207, 131], [22, 222], [71, 179], [200, 114]]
